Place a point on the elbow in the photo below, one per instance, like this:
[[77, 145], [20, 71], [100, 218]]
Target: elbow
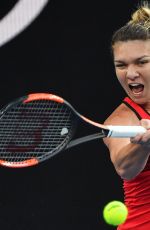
[[125, 170], [126, 174]]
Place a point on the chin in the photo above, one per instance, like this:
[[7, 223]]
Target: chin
[[139, 100]]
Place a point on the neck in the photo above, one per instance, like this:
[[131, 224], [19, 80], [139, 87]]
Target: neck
[[146, 107]]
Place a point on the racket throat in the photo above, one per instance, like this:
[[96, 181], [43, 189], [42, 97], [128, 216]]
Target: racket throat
[[88, 138]]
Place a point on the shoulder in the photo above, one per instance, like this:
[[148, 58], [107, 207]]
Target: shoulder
[[122, 115]]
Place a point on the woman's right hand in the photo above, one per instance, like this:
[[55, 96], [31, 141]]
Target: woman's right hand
[[143, 139]]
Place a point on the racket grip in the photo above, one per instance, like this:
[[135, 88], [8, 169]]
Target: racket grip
[[125, 131]]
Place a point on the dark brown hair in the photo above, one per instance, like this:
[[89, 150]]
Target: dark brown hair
[[138, 28]]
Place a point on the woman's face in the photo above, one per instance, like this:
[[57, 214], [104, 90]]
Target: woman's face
[[132, 66]]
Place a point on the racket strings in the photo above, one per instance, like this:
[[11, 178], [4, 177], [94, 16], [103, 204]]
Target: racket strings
[[34, 130]]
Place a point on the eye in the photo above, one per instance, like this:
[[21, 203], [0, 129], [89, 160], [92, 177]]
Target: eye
[[142, 62], [120, 65]]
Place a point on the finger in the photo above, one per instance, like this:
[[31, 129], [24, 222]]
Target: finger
[[137, 139], [142, 139], [145, 123]]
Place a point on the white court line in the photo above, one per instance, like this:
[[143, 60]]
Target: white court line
[[21, 15]]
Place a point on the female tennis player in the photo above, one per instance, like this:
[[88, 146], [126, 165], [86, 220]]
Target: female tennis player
[[130, 156]]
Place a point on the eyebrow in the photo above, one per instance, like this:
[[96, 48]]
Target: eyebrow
[[137, 59]]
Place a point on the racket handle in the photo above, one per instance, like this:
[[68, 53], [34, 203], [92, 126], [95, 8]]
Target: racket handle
[[125, 131]]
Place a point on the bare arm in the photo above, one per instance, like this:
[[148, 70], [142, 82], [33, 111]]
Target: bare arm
[[129, 156]]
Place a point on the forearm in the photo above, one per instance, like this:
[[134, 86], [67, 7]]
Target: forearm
[[130, 160]]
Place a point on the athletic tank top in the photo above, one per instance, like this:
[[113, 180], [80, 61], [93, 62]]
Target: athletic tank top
[[137, 190]]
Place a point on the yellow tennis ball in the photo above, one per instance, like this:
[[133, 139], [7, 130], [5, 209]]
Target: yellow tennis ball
[[115, 213]]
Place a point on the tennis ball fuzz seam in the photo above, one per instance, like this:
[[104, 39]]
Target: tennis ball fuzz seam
[[115, 213]]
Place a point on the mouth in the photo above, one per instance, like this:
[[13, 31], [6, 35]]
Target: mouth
[[136, 88]]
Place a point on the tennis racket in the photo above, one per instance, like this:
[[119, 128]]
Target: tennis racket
[[38, 126]]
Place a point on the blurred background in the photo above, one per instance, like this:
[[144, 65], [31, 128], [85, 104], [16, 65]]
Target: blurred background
[[65, 50]]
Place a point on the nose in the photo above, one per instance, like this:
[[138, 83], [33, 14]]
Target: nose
[[132, 72]]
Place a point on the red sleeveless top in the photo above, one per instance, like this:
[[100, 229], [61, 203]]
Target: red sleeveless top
[[137, 190]]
